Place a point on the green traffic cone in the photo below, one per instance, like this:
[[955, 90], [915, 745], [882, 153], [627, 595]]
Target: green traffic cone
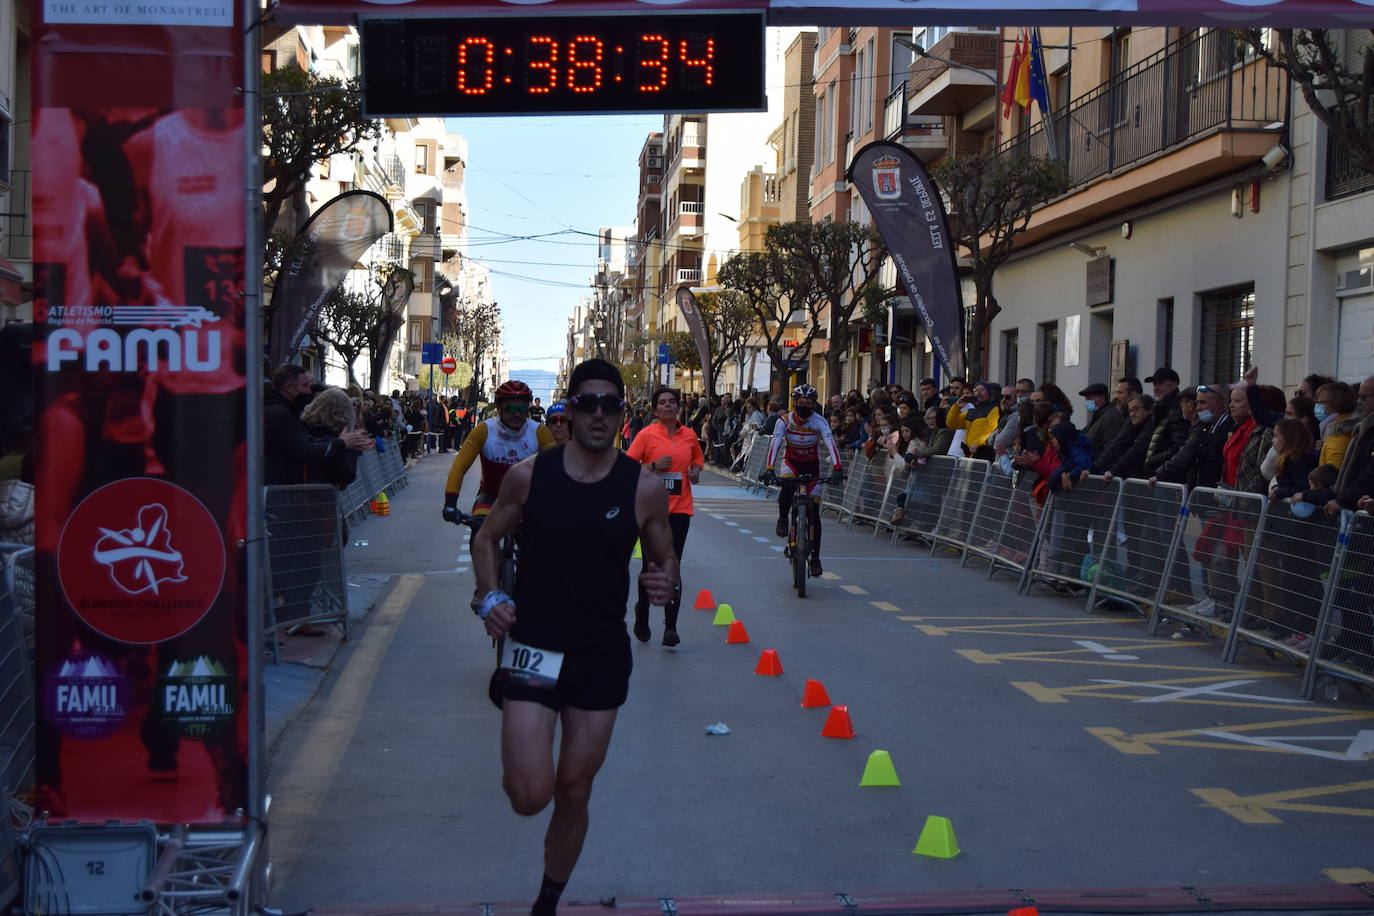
[[879, 771], [937, 839], [725, 615]]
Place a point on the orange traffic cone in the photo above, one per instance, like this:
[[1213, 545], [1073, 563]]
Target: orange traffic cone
[[769, 663], [1024, 911], [837, 724], [813, 695], [704, 601], [737, 633]]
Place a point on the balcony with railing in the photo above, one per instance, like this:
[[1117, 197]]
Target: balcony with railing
[[924, 135], [1193, 112], [689, 275], [1344, 176], [692, 208], [939, 88], [390, 247]]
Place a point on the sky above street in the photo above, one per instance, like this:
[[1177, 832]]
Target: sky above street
[[561, 178]]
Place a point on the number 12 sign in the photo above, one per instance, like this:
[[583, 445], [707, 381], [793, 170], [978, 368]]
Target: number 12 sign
[[564, 65]]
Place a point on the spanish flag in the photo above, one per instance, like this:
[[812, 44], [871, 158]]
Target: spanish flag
[[1022, 72], [1009, 89]]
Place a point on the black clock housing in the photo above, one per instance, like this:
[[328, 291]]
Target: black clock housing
[[588, 64]]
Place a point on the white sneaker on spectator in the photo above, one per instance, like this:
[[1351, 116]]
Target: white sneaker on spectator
[[1207, 607]]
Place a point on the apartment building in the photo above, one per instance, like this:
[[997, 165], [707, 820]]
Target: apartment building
[[16, 229], [418, 167], [644, 258], [862, 91]]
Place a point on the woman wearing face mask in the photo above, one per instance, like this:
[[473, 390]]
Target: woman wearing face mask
[[1335, 411]]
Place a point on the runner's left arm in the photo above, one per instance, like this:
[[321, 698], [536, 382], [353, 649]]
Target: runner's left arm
[[660, 576]]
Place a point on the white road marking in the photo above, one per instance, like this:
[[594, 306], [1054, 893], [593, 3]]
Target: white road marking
[[745, 531], [1208, 690], [1360, 747], [762, 540], [1109, 655], [721, 517], [733, 524], [778, 548]]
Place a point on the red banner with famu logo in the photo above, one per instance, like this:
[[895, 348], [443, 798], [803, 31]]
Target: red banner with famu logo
[[138, 226]]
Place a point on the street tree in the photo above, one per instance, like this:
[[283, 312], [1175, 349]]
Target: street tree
[[990, 199], [762, 278], [835, 266], [682, 350], [730, 324], [307, 118], [477, 327], [1337, 85]]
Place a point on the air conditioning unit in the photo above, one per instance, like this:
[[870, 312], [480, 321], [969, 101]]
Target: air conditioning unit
[[655, 162], [1359, 278]]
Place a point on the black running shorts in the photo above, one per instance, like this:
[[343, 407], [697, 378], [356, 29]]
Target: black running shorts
[[591, 680]]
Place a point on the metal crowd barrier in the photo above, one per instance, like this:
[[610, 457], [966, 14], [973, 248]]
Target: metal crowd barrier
[[960, 503], [925, 496], [1345, 630], [1213, 561], [1240, 566], [16, 673], [1147, 530], [378, 472], [754, 461], [1073, 540], [871, 490], [305, 567]]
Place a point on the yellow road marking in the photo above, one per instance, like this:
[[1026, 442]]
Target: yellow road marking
[[1349, 875], [1128, 692], [931, 631], [297, 799], [907, 618], [1254, 809], [854, 589], [1188, 737], [979, 657], [885, 606], [830, 575], [1040, 692]]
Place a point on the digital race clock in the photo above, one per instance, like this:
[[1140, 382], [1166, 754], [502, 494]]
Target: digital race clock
[[564, 65]]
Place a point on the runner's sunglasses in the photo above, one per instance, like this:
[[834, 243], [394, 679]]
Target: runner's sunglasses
[[588, 403]]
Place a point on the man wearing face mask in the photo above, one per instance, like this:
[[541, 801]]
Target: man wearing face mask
[[289, 451], [1214, 416], [1104, 421]]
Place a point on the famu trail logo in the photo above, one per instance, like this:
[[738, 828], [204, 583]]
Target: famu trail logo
[[141, 560], [197, 695], [887, 177], [85, 696]]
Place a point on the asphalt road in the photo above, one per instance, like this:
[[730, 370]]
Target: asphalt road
[[1067, 749]]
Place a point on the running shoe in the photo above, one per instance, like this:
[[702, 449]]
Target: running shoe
[[670, 637], [815, 569], [781, 529]]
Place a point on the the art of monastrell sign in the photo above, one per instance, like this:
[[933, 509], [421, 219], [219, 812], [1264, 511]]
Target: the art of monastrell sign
[[138, 12]]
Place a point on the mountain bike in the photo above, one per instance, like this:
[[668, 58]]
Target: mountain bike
[[798, 548]]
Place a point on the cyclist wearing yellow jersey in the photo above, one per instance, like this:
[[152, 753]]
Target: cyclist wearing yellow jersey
[[499, 442]]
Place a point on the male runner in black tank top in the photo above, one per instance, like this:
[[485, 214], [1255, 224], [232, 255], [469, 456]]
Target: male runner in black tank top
[[566, 652]]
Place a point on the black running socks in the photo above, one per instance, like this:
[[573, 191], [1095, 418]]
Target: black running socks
[[547, 902]]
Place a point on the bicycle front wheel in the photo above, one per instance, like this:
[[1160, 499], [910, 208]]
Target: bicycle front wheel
[[800, 552]]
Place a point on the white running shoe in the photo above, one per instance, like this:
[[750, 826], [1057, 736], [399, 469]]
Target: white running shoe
[[1207, 607]]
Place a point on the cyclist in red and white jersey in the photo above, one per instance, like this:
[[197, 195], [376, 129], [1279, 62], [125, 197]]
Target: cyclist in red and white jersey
[[803, 429], [499, 443]]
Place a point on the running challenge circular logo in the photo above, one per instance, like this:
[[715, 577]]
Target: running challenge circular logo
[[141, 560]]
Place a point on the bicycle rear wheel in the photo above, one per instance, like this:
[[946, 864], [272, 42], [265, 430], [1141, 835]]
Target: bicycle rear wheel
[[800, 552]]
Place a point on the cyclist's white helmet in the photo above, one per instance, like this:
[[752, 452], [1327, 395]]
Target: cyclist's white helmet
[[804, 391]]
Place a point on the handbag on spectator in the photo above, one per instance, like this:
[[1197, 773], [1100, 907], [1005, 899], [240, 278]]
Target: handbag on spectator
[[1249, 476]]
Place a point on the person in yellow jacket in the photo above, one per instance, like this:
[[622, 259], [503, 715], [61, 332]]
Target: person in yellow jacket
[[978, 414], [1335, 410]]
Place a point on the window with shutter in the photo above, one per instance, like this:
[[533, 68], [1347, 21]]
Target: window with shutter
[[1011, 346]]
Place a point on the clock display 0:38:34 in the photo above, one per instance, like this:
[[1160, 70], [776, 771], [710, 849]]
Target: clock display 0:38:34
[[570, 64], [583, 64]]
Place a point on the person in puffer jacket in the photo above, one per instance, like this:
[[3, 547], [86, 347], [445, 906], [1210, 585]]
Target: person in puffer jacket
[[1075, 456]]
